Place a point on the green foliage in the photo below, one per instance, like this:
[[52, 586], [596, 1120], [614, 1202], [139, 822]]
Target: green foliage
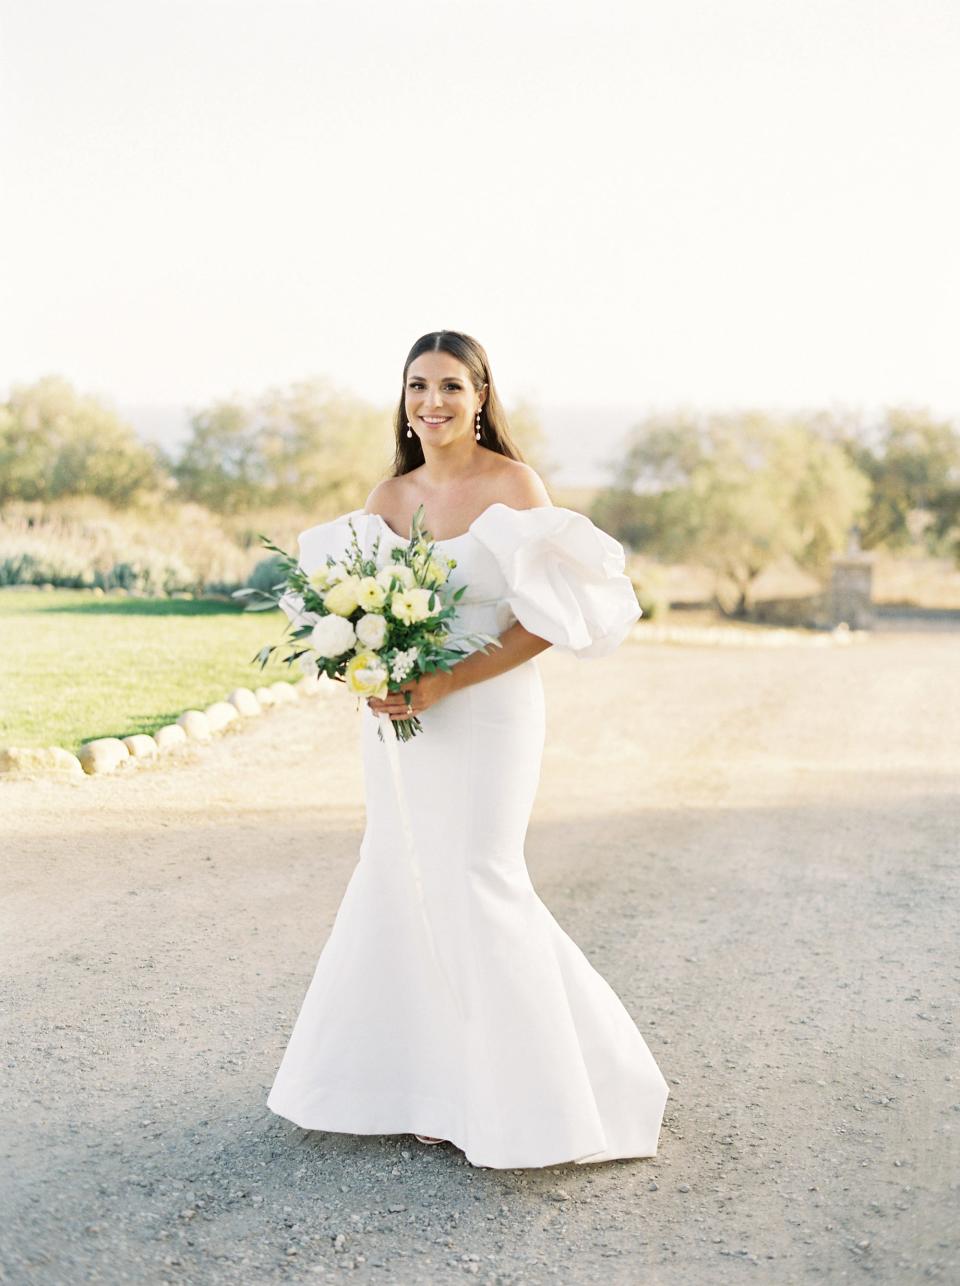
[[913, 462], [55, 442], [268, 573]]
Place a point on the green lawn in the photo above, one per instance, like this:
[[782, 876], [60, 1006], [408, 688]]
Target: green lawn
[[74, 666]]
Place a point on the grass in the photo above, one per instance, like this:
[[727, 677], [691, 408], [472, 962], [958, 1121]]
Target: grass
[[74, 666]]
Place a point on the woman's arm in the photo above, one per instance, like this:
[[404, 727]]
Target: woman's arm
[[517, 645]]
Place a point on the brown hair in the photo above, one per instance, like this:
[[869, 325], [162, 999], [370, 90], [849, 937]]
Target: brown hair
[[494, 429]]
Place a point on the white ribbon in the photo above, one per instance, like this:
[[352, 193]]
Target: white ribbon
[[410, 848]]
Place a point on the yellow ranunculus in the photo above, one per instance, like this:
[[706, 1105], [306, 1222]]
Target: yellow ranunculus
[[371, 594], [411, 605], [436, 574], [342, 598], [320, 579], [366, 675]]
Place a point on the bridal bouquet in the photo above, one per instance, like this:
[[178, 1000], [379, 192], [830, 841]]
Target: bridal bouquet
[[371, 629]]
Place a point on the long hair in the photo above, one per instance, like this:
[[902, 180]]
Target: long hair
[[494, 429]]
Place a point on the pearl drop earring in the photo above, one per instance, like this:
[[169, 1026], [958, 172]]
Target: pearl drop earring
[[478, 424], [409, 429]]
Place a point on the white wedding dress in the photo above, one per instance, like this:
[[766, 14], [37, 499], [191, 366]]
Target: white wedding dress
[[447, 1000]]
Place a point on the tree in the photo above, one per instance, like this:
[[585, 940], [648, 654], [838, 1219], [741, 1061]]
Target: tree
[[734, 492], [309, 445], [222, 466], [55, 442], [913, 462]]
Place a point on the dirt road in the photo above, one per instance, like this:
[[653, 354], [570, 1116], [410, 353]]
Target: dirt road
[[758, 848]]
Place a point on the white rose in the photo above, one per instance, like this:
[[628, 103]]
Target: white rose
[[371, 630], [332, 636]]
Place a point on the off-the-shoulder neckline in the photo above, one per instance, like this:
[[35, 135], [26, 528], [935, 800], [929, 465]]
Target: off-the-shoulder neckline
[[497, 504]]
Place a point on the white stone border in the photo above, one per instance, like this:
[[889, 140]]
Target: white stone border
[[736, 636], [108, 754]]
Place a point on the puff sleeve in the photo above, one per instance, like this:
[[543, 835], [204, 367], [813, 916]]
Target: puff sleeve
[[315, 544], [565, 576]]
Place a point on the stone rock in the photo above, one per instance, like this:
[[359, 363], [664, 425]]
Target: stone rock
[[220, 714], [245, 702], [196, 725], [266, 696], [141, 746], [40, 761], [285, 691], [170, 736], [104, 754]]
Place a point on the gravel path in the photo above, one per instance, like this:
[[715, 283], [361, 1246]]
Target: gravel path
[[758, 848]]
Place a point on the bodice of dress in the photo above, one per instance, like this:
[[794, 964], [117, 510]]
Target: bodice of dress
[[549, 568]]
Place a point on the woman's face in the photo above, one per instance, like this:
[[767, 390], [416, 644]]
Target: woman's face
[[440, 401]]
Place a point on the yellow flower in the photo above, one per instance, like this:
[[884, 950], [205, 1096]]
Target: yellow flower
[[320, 579], [411, 605], [366, 675], [371, 594], [435, 574], [342, 599]]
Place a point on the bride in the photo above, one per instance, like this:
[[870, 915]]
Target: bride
[[447, 1001]]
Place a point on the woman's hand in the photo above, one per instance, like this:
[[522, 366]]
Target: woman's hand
[[424, 692]]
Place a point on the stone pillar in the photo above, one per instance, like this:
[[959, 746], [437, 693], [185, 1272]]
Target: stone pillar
[[851, 586]]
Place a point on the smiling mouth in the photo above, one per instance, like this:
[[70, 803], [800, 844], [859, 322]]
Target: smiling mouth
[[435, 419]]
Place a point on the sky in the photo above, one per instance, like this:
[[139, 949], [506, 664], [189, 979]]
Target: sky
[[633, 205]]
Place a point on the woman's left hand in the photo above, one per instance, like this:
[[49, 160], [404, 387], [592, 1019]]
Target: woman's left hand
[[424, 692]]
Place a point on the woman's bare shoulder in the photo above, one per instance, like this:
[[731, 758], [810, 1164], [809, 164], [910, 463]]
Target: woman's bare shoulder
[[384, 496], [520, 486]]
